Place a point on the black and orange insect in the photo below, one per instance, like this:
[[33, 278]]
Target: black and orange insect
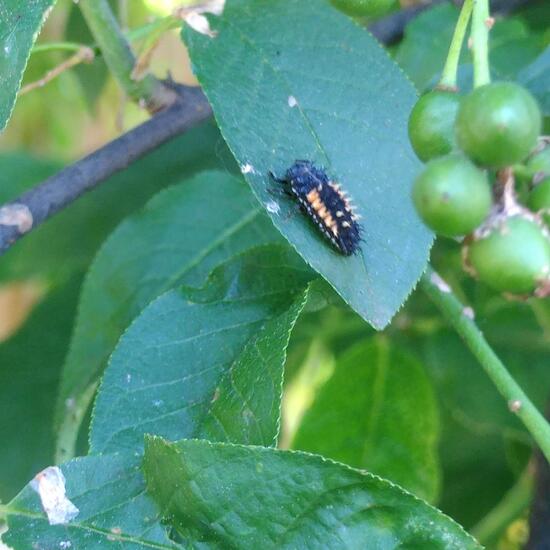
[[323, 200]]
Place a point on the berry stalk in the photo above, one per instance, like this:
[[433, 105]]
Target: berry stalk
[[448, 77], [481, 24], [518, 402]]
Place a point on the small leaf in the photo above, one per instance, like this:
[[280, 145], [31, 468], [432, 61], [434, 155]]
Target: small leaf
[[228, 496], [20, 23], [178, 238], [378, 412], [206, 363], [114, 510], [289, 80], [536, 78]]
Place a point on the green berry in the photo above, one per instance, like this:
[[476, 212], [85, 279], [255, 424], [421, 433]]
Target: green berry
[[539, 163], [365, 8], [498, 124], [514, 256], [539, 198], [452, 195], [431, 124]]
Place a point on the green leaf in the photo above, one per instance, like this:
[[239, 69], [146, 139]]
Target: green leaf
[[513, 45], [114, 510], [536, 78], [30, 364], [300, 69], [178, 238], [228, 496], [423, 50], [206, 363], [378, 412], [20, 23]]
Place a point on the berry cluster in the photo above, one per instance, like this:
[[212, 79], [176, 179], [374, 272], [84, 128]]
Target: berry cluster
[[476, 147]]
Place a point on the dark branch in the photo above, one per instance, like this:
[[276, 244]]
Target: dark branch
[[389, 30], [37, 205]]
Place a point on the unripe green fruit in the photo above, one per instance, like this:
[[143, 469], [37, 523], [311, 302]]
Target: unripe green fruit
[[365, 8], [452, 195], [514, 257], [540, 162], [539, 198], [498, 124], [431, 124]]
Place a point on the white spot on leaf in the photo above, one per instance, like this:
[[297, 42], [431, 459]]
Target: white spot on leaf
[[247, 168], [292, 101], [50, 486], [272, 207]]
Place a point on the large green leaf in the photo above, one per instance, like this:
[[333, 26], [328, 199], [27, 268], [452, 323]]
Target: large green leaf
[[114, 510], [29, 375], [377, 412], [206, 363], [423, 50], [20, 23], [228, 496], [289, 79], [178, 238]]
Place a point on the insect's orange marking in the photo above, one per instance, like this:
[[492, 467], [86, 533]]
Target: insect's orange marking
[[321, 211], [312, 196], [316, 204]]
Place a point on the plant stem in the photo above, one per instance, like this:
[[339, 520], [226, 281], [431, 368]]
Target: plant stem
[[481, 24], [61, 46], [448, 77], [144, 31], [512, 506], [148, 91], [83, 55], [455, 313]]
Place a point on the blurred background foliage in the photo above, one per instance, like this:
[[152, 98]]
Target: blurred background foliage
[[475, 451]]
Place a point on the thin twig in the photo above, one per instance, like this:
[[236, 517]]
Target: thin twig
[[40, 203], [518, 402], [84, 55]]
